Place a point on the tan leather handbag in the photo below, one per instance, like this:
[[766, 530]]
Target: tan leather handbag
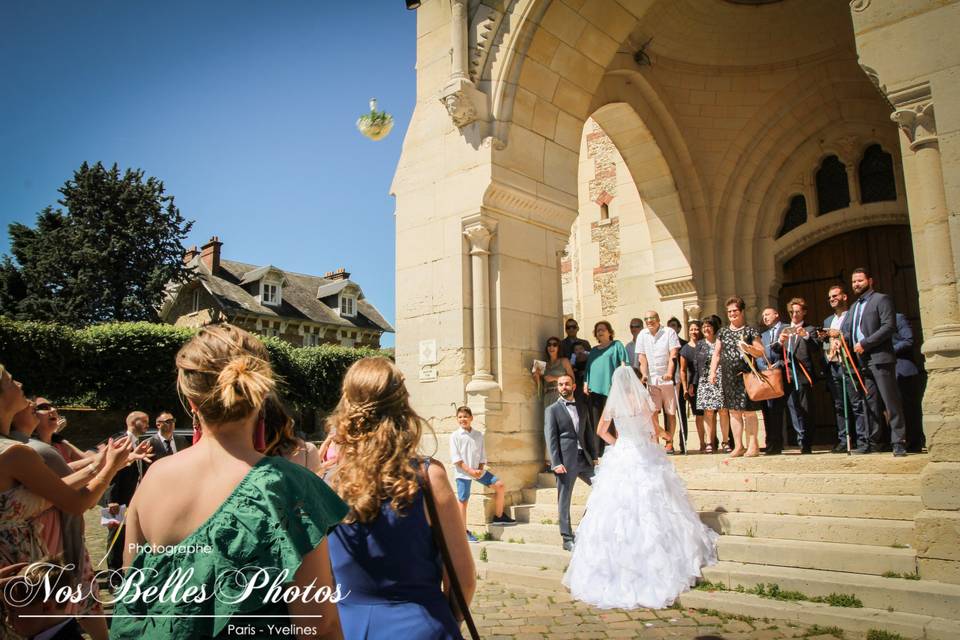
[[763, 385]]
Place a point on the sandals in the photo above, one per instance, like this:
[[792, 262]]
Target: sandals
[[669, 448], [708, 449]]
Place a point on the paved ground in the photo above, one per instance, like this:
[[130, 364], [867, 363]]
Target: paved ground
[[521, 613]]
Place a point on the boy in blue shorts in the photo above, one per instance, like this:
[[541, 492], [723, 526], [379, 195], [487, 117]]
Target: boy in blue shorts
[[467, 454]]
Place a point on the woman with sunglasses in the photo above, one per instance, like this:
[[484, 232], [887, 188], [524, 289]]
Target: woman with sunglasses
[[557, 366]]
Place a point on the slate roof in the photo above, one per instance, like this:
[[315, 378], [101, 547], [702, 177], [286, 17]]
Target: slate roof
[[299, 298]]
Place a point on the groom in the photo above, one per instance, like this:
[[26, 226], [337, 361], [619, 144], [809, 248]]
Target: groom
[[572, 449]]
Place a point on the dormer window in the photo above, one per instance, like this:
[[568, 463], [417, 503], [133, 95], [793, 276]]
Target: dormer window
[[348, 305], [270, 293]]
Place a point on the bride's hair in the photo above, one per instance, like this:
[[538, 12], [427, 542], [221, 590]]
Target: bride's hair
[[378, 434]]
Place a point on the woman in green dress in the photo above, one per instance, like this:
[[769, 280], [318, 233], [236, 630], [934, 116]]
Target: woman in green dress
[[242, 534], [601, 363]]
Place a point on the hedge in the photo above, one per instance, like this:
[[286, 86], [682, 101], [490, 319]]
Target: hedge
[[130, 365]]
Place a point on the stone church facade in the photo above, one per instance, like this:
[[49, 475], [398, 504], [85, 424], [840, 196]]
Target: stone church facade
[[586, 157]]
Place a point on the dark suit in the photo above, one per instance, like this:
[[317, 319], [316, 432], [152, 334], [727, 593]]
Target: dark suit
[[772, 409], [797, 356], [573, 447], [159, 446], [849, 416], [910, 383], [121, 491], [877, 325]]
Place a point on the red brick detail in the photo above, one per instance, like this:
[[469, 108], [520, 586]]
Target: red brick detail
[[566, 266], [604, 198], [610, 268]]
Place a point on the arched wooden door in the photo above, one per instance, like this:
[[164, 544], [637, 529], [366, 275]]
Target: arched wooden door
[[888, 252]]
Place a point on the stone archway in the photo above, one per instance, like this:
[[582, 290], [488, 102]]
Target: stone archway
[[486, 186]]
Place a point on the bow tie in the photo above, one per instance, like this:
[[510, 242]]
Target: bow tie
[[568, 403]]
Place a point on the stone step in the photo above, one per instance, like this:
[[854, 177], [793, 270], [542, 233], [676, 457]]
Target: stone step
[[862, 620], [818, 483], [862, 531], [924, 597], [530, 533], [884, 507], [538, 556], [827, 556], [799, 504], [792, 463]]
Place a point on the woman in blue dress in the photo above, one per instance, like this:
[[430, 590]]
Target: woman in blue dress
[[602, 362], [383, 553]]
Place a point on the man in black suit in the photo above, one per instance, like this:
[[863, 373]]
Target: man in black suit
[[910, 383], [799, 346], [772, 409], [869, 327], [165, 442], [572, 449], [125, 483]]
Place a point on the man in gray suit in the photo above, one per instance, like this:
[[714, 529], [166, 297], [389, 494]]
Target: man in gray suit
[[572, 449], [869, 327]]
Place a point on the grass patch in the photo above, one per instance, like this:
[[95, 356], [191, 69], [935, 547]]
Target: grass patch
[[817, 630], [750, 532], [727, 616], [518, 541], [880, 634], [706, 585], [774, 592], [900, 545], [546, 521], [483, 554], [542, 568], [902, 576], [486, 536]]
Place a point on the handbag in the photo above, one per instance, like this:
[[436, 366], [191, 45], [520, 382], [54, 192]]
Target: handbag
[[763, 385], [458, 599]]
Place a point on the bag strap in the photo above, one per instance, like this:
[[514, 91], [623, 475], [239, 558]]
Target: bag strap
[[441, 543]]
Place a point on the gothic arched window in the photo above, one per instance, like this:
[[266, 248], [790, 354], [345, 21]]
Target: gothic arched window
[[833, 190], [876, 176], [795, 215]]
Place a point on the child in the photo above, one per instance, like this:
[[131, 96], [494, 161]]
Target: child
[[468, 456]]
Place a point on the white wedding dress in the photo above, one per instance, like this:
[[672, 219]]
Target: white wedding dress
[[640, 543]]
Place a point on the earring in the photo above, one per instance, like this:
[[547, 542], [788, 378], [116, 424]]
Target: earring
[[260, 435], [197, 432]]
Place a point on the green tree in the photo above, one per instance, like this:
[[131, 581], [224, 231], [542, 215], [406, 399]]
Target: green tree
[[107, 255]]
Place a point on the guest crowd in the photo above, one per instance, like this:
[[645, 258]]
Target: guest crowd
[[863, 353]]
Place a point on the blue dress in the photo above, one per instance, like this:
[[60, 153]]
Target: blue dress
[[392, 571]]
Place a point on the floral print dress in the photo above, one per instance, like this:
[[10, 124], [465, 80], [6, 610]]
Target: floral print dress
[[733, 391], [20, 541]]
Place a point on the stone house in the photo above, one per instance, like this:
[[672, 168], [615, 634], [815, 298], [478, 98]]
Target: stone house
[[301, 309]]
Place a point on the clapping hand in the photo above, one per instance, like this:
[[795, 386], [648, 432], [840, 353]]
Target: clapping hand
[[144, 451], [117, 452]]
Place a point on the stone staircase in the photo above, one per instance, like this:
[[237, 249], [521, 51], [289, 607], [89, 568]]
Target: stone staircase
[[819, 525]]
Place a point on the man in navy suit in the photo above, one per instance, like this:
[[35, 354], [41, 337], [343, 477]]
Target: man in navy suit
[[910, 383], [870, 326], [570, 445], [799, 348], [847, 403], [772, 409]]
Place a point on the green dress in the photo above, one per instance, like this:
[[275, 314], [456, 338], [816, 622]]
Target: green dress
[[278, 513]]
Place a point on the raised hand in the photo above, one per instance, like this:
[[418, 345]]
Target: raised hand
[[117, 452]]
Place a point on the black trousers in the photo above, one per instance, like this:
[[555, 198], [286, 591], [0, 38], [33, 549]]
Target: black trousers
[[882, 391], [798, 404], [565, 483], [115, 558], [849, 416], [911, 393], [682, 418], [596, 402], [773, 422]]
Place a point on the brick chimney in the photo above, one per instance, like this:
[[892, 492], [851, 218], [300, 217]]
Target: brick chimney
[[339, 274], [190, 254], [210, 254]]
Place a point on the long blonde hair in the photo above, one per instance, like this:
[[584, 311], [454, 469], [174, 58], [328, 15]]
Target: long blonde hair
[[378, 434], [225, 372]]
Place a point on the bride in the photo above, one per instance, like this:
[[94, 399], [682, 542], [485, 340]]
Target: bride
[[640, 543]]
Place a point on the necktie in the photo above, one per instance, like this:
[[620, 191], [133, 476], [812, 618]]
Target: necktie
[[857, 316], [166, 445]]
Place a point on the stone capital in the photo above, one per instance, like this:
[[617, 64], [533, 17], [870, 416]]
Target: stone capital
[[458, 99], [479, 233], [917, 121]]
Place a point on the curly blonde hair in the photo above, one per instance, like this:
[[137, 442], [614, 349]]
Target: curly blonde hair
[[378, 434], [225, 372]]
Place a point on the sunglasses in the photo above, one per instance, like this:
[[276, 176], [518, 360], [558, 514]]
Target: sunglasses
[[553, 344], [45, 406], [650, 319], [170, 421], [635, 326], [572, 326]]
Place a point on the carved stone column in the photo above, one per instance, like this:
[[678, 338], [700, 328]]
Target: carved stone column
[[464, 102], [479, 233], [937, 548]]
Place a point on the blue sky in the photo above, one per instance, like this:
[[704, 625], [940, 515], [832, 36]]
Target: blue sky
[[246, 110]]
